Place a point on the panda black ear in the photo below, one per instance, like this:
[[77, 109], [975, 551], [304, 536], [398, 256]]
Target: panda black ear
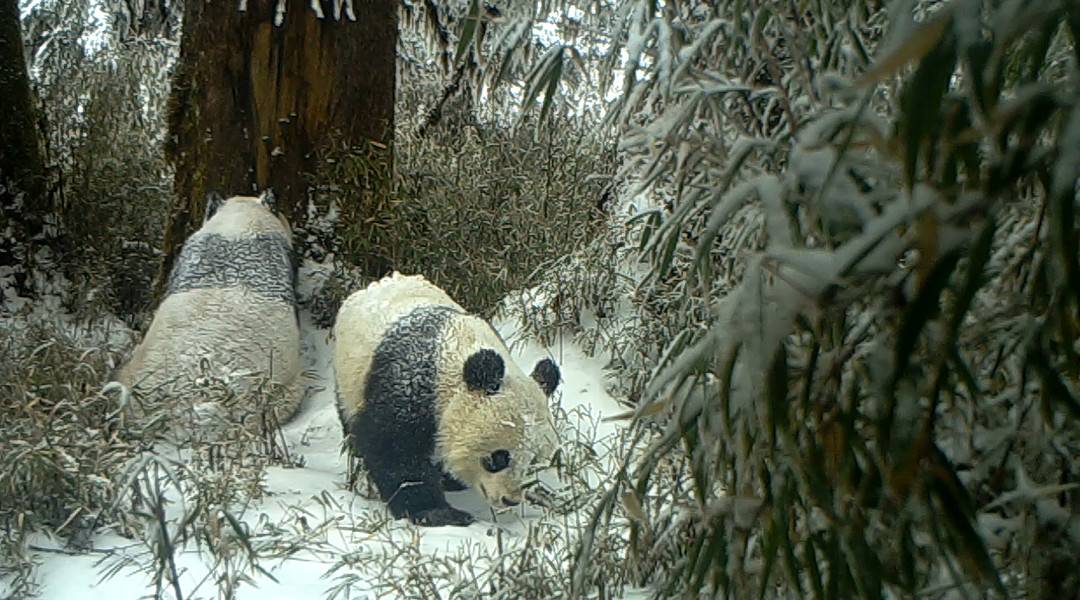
[[484, 371], [546, 374], [270, 200], [213, 203]]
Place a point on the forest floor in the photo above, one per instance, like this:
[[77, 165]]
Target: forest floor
[[350, 545]]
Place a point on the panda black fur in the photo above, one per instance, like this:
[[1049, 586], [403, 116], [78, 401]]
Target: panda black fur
[[230, 304], [430, 399]]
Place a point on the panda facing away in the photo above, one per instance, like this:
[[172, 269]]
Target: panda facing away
[[230, 306], [429, 397]]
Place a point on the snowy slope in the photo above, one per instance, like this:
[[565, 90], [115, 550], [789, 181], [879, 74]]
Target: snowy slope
[[297, 498]]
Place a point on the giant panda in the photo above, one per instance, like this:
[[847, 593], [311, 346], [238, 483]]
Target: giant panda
[[229, 307], [430, 399]]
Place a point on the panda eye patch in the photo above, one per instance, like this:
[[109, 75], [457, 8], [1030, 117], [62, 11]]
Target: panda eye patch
[[496, 461]]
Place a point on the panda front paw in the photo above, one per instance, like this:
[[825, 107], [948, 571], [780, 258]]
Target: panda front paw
[[440, 517]]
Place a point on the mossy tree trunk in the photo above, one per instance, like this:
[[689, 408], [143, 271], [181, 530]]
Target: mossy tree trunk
[[254, 104], [24, 200]]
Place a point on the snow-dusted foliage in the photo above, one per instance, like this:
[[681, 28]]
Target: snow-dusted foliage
[[102, 81], [56, 451], [835, 274], [466, 187], [862, 298]]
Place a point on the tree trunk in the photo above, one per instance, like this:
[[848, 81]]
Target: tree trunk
[[254, 103], [23, 188]]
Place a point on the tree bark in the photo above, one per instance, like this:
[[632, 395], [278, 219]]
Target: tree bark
[[254, 103], [23, 185]]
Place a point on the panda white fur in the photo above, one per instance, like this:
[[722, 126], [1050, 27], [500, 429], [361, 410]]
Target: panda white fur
[[430, 397], [230, 305]]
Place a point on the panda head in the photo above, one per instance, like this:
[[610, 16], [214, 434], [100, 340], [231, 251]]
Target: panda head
[[499, 429], [245, 214]]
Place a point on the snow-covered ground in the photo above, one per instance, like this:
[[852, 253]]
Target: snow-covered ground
[[315, 494]]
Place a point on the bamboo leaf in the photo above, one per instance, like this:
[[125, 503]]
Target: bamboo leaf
[[1063, 229], [908, 552], [977, 57], [810, 559], [651, 224], [712, 555], [792, 567], [866, 568], [959, 512], [920, 312], [468, 32], [920, 105], [1072, 19], [776, 392], [771, 543], [553, 80], [924, 38], [647, 410], [1052, 385], [667, 254], [538, 78], [973, 280]]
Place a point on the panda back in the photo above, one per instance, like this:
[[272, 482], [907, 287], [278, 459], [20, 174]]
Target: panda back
[[261, 263], [230, 297], [364, 321]]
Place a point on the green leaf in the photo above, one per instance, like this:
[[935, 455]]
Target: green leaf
[[977, 56], [958, 509], [1062, 214], [967, 377], [512, 41], [864, 563], [770, 544], [811, 561], [792, 567], [651, 223], [924, 38], [920, 105], [723, 205], [908, 553], [1052, 385], [776, 392], [1072, 19], [468, 32], [552, 85], [544, 77], [762, 15], [841, 582], [920, 312], [1036, 49], [973, 280], [667, 255], [713, 556]]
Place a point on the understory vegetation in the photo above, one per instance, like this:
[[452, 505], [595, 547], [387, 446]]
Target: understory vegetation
[[862, 287], [830, 253]]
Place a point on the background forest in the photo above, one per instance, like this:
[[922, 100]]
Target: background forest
[[829, 253]]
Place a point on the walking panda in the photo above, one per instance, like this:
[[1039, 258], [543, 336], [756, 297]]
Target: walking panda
[[429, 397], [230, 307]]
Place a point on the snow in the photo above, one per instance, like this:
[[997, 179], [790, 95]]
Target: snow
[[298, 498]]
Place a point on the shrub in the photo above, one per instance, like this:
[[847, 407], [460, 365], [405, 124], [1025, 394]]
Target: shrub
[[63, 441], [103, 101], [883, 400], [476, 209]]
